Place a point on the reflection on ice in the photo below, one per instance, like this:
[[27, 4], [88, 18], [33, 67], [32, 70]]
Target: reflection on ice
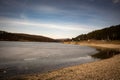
[[31, 57]]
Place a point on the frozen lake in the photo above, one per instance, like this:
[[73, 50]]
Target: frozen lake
[[37, 57]]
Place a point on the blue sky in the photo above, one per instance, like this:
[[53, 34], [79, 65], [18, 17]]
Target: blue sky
[[58, 18]]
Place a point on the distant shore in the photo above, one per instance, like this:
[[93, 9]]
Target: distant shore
[[107, 69], [97, 43]]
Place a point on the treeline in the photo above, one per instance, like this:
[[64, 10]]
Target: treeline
[[6, 36], [110, 33]]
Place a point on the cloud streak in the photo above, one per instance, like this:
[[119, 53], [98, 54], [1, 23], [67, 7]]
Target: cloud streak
[[74, 27]]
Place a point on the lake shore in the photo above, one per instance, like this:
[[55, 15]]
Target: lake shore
[[97, 43], [107, 69]]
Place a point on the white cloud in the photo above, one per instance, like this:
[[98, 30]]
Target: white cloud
[[73, 27], [44, 8], [47, 8], [52, 30]]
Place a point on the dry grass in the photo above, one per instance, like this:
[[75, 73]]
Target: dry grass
[[98, 43]]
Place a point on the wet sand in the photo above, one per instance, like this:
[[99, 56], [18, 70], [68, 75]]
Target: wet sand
[[107, 69]]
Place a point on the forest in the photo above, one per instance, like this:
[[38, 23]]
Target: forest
[[109, 33]]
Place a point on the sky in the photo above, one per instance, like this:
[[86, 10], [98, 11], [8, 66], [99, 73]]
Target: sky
[[58, 18]]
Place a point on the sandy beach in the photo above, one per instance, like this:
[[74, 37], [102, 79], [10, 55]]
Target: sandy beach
[[107, 69]]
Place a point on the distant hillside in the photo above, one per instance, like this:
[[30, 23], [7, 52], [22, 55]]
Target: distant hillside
[[64, 39], [110, 33], [6, 36]]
